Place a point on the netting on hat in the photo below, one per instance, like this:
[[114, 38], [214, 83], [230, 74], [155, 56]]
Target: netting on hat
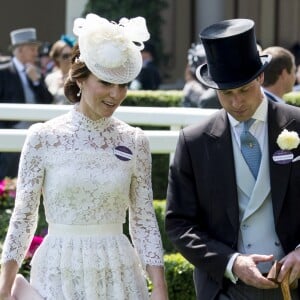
[[108, 49], [124, 73]]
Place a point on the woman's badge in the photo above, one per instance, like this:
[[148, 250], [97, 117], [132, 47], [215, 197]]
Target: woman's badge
[[123, 153]]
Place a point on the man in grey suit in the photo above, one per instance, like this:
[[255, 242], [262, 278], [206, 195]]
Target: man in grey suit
[[233, 197], [21, 82]]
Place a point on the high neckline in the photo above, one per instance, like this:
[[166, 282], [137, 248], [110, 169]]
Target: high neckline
[[86, 122]]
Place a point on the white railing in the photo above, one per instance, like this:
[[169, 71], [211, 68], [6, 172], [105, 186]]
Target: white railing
[[161, 141]]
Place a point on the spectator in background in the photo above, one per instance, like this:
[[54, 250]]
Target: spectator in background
[[46, 63], [195, 94], [280, 74], [193, 89], [21, 82], [297, 85], [149, 78], [61, 55], [4, 60], [295, 49]]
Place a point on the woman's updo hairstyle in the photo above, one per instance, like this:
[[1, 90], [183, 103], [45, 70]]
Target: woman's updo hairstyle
[[78, 71], [110, 51]]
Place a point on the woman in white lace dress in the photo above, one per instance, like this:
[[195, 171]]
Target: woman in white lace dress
[[91, 168]]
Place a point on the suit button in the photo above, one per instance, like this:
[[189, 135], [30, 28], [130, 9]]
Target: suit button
[[249, 246], [244, 226], [277, 244]]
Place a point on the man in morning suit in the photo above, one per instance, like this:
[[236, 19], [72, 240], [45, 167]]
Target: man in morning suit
[[280, 74], [228, 215], [20, 82]]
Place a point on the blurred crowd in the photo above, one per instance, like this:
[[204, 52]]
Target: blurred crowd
[[35, 72], [51, 61]]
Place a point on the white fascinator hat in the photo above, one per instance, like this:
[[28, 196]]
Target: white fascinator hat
[[111, 51]]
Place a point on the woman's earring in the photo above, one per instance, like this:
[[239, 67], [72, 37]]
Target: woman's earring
[[79, 93]]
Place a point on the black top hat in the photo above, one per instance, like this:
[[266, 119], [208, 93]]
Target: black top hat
[[231, 53]]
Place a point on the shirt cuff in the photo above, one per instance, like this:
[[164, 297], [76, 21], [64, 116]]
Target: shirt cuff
[[228, 272], [297, 247]]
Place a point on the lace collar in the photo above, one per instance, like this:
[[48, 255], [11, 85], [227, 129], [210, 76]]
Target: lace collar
[[85, 122]]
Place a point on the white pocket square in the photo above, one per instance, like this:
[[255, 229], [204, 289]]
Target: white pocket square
[[22, 290]]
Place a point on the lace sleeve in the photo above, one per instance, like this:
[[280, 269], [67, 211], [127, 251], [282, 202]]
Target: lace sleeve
[[142, 220], [23, 221]]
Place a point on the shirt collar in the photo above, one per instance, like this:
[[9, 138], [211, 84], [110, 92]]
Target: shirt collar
[[271, 95], [20, 67]]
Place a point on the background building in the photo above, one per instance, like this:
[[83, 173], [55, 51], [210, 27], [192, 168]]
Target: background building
[[277, 23]]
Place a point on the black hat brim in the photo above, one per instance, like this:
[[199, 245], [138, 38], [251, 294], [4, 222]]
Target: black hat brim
[[203, 76]]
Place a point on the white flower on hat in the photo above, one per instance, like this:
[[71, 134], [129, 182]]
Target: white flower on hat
[[136, 30], [288, 140], [107, 45]]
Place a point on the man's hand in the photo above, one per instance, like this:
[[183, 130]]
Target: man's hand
[[290, 263], [33, 73], [245, 268]]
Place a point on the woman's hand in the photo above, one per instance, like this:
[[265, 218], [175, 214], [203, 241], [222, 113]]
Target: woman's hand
[[157, 277], [159, 293], [7, 277]]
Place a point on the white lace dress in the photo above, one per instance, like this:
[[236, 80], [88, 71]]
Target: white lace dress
[[90, 173]]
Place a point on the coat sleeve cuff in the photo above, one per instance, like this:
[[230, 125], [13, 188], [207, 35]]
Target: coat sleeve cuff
[[228, 272]]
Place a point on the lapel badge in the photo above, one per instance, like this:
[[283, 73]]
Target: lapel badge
[[283, 157], [123, 153], [287, 140]]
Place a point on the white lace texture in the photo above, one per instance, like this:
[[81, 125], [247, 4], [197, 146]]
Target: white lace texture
[[90, 173]]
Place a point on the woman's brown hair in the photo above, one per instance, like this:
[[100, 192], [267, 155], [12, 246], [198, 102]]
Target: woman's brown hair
[[78, 71]]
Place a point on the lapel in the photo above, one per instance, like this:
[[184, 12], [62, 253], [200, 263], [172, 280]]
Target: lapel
[[278, 120], [15, 72], [16, 81], [221, 151]]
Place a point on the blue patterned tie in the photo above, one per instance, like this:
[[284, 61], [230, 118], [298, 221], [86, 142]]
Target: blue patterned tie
[[250, 148]]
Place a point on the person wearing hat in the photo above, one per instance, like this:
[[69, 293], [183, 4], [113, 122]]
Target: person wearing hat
[[20, 82], [233, 191], [195, 94], [193, 89], [91, 168], [46, 63]]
